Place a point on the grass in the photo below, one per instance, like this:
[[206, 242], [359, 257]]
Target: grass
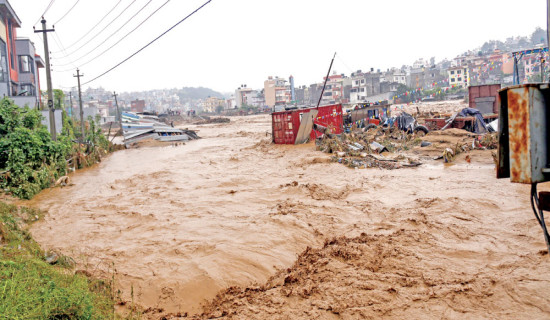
[[30, 288]]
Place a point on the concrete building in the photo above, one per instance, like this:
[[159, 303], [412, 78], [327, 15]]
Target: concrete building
[[28, 64], [364, 85], [334, 90], [276, 92], [241, 95], [137, 106], [19, 63], [459, 76], [211, 104], [245, 96], [424, 77]]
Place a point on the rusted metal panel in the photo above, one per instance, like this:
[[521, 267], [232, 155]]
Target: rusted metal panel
[[484, 91], [527, 132], [330, 117], [285, 124]]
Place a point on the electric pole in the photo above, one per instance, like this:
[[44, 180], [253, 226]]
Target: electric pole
[[44, 32], [71, 101], [118, 113], [82, 131]]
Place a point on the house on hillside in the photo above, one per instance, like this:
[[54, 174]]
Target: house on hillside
[[459, 76]]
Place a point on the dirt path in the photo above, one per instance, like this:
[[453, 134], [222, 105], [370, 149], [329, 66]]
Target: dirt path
[[179, 224]]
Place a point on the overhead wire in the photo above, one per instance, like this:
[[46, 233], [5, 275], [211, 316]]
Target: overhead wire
[[60, 45], [42, 15], [91, 29], [124, 37], [97, 34], [110, 36], [66, 13], [148, 44]]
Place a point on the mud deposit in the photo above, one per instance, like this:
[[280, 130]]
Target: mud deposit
[[294, 236]]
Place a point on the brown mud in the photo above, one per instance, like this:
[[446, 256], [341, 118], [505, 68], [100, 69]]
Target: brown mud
[[297, 237]]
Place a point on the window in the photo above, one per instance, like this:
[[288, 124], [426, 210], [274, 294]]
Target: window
[[452, 72], [29, 88], [459, 71], [25, 64], [459, 79], [327, 94], [3, 62], [452, 79], [362, 89], [363, 81]]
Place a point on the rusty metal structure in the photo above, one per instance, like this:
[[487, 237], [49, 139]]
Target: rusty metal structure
[[524, 142]]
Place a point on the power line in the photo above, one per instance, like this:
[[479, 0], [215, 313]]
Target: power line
[[66, 13], [109, 37], [97, 34], [147, 45], [120, 40], [59, 44], [92, 28], [42, 15]]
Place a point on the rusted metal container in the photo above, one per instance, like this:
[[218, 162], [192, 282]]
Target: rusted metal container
[[523, 133], [285, 124], [330, 117], [484, 98]]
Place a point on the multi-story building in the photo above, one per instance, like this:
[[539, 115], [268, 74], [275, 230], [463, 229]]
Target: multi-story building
[[459, 76], [364, 85], [19, 63], [248, 97], [334, 90], [137, 106], [276, 92], [211, 104], [424, 77]]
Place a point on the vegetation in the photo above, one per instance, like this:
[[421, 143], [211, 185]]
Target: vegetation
[[30, 288], [30, 160]]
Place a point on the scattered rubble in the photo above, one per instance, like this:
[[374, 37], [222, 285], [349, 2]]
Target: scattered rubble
[[209, 120], [394, 149]]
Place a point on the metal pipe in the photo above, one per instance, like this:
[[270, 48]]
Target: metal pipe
[[326, 79]]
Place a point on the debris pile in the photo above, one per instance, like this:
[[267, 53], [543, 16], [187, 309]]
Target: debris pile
[[364, 149], [209, 120], [393, 149]]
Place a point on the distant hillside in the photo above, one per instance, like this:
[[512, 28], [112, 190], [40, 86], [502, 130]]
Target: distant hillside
[[197, 93]]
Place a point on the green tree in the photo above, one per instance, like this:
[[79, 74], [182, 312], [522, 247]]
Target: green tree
[[58, 98], [219, 109]]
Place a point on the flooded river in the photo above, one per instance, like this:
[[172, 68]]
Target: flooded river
[[178, 224]]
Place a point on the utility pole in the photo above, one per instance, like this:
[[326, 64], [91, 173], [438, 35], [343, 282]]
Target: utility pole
[[44, 32], [118, 113], [71, 101], [82, 131]]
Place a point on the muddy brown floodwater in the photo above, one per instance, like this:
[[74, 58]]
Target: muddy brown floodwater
[[181, 224]]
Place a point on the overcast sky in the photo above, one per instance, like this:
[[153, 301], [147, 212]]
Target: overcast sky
[[234, 42]]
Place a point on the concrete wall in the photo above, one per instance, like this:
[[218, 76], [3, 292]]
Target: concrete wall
[[22, 101], [58, 119]]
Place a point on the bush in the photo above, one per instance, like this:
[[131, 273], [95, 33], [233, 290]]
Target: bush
[[29, 158]]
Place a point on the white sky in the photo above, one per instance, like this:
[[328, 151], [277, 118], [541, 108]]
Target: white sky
[[234, 42]]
